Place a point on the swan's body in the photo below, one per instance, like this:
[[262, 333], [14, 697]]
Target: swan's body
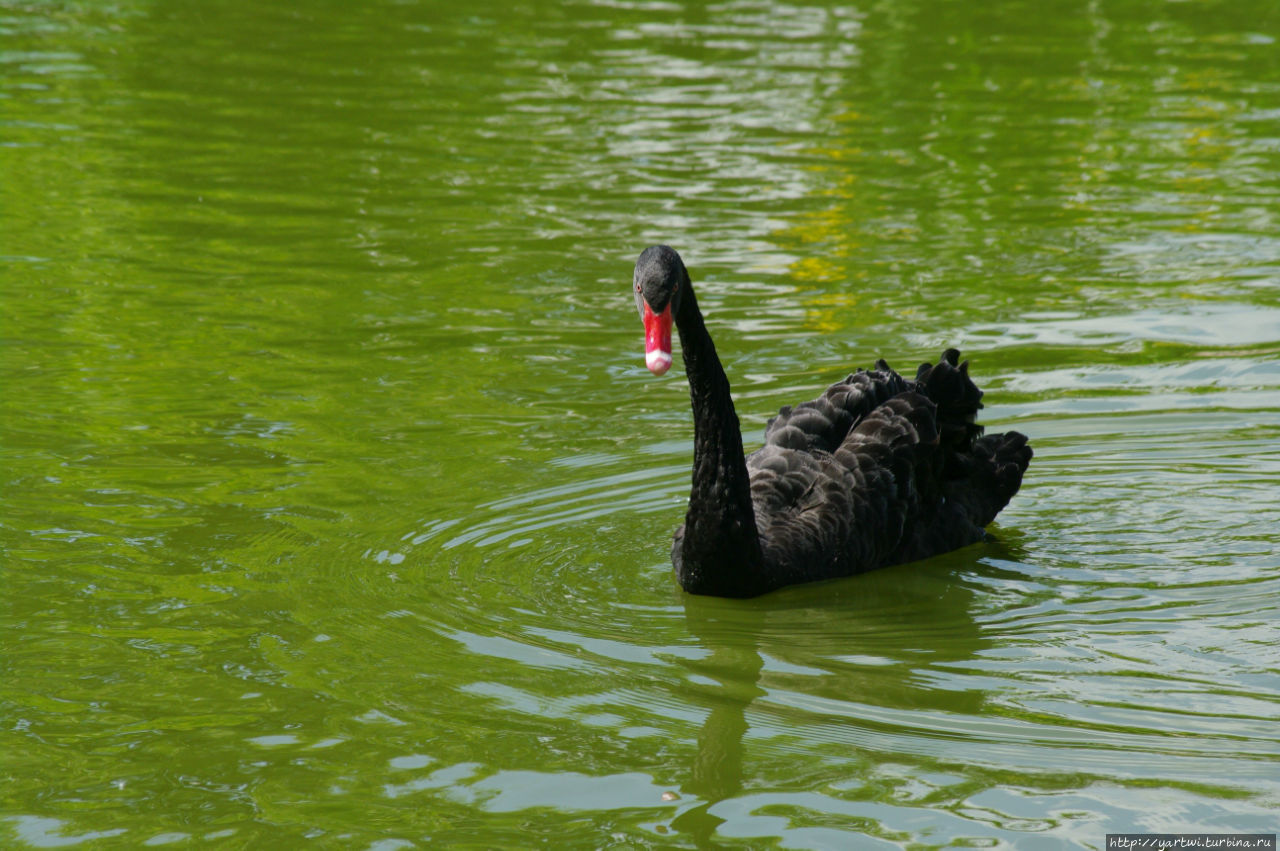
[[877, 471]]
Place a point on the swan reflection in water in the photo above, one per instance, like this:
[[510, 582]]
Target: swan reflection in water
[[827, 662]]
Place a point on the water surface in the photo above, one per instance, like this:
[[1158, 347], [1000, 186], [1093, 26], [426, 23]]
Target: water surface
[[337, 499]]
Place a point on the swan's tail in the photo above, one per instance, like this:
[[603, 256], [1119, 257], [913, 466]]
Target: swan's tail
[[981, 473], [996, 467]]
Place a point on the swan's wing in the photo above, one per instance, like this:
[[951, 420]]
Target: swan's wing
[[832, 514], [824, 423], [912, 477], [909, 474], [804, 512]]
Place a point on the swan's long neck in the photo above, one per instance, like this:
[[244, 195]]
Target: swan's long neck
[[720, 552]]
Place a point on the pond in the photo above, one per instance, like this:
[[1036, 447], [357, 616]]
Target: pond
[[337, 500]]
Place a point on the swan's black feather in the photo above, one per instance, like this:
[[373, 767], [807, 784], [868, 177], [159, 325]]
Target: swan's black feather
[[879, 470], [824, 422]]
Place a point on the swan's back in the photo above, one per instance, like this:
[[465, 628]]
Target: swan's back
[[880, 470]]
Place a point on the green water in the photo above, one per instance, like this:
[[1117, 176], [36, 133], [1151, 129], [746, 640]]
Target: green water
[[337, 499]]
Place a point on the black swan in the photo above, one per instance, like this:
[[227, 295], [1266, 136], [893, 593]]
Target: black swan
[[879, 470]]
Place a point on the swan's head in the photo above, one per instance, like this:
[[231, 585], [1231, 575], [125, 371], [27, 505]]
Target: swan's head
[[660, 281]]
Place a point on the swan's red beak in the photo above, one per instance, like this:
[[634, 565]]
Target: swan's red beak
[[657, 339]]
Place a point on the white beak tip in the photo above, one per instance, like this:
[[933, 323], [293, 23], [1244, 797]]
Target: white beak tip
[[658, 361]]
